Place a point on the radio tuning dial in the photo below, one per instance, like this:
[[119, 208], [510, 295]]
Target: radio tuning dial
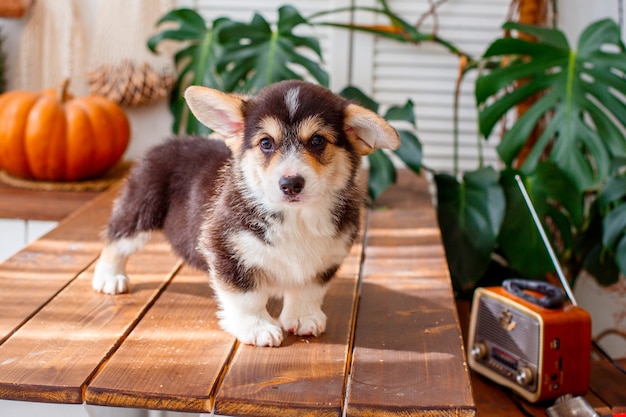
[[524, 376], [480, 350]]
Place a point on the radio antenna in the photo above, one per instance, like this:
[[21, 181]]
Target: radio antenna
[[546, 242]]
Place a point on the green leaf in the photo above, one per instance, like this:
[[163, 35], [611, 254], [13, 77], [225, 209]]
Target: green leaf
[[255, 54], [611, 207], [288, 19], [405, 113], [553, 197], [382, 173], [518, 134], [601, 32], [470, 215], [354, 94], [551, 187], [190, 26], [519, 239], [601, 264], [614, 227], [410, 151], [614, 192], [581, 95], [195, 62], [546, 36]]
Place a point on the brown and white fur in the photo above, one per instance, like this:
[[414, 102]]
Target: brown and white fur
[[270, 211]]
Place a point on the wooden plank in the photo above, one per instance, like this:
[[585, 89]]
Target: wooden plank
[[408, 356], [34, 275], [305, 376], [174, 358], [608, 383], [53, 356], [19, 203], [493, 401]]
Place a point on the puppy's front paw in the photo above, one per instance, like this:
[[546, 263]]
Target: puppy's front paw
[[254, 331], [109, 276], [110, 283], [310, 325]]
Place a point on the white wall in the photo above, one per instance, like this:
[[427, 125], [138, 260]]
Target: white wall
[[574, 15]]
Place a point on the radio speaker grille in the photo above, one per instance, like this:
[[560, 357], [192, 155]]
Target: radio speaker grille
[[515, 331]]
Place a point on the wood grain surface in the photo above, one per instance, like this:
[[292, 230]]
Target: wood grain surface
[[18, 203], [407, 357], [53, 356], [38, 272], [174, 358]]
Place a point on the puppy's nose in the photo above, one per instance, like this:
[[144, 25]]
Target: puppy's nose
[[291, 185]]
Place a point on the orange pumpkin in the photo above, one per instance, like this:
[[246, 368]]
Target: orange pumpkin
[[52, 136]]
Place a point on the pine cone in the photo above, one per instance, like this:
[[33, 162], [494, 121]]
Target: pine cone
[[129, 84]]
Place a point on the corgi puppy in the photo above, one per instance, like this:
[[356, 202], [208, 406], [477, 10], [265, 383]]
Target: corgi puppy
[[269, 211]]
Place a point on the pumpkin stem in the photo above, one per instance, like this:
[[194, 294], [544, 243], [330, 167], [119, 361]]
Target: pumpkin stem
[[63, 90]]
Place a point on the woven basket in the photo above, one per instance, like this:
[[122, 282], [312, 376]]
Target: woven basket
[[97, 184]]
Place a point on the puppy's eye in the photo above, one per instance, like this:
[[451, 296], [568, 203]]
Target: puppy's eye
[[266, 144], [317, 142]]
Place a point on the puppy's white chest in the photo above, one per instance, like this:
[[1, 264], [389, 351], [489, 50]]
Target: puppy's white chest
[[293, 251]]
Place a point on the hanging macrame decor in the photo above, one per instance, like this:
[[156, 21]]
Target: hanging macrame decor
[[52, 47], [121, 67]]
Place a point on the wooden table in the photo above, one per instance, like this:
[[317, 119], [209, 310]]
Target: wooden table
[[393, 344], [18, 203]]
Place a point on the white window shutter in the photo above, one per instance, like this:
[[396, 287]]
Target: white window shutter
[[427, 73]]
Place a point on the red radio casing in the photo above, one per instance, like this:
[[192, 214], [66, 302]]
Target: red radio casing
[[538, 352]]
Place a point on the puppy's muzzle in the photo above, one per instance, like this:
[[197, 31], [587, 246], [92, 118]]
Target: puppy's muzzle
[[292, 185]]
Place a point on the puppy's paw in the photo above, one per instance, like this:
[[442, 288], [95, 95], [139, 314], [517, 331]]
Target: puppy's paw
[[109, 276], [110, 283], [254, 331], [310, 325]]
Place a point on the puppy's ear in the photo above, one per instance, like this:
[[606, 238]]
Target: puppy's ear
[[368, 131], [218, 111]]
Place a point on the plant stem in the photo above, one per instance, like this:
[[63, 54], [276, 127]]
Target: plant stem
[[407, 38], [64, 90]]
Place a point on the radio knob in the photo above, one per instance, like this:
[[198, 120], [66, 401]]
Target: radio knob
[[524, 376], [479, 351]]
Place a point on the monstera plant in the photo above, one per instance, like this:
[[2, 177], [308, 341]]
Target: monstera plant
[[235, 56], [573, 171]]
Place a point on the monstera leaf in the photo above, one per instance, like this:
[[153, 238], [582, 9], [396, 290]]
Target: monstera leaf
[[612, 204], [470, 215], [234, 56], [554, 197], [581, 90], [195, 63], [255, 54]]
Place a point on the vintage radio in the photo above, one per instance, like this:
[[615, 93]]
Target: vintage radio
[[525, 336]]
